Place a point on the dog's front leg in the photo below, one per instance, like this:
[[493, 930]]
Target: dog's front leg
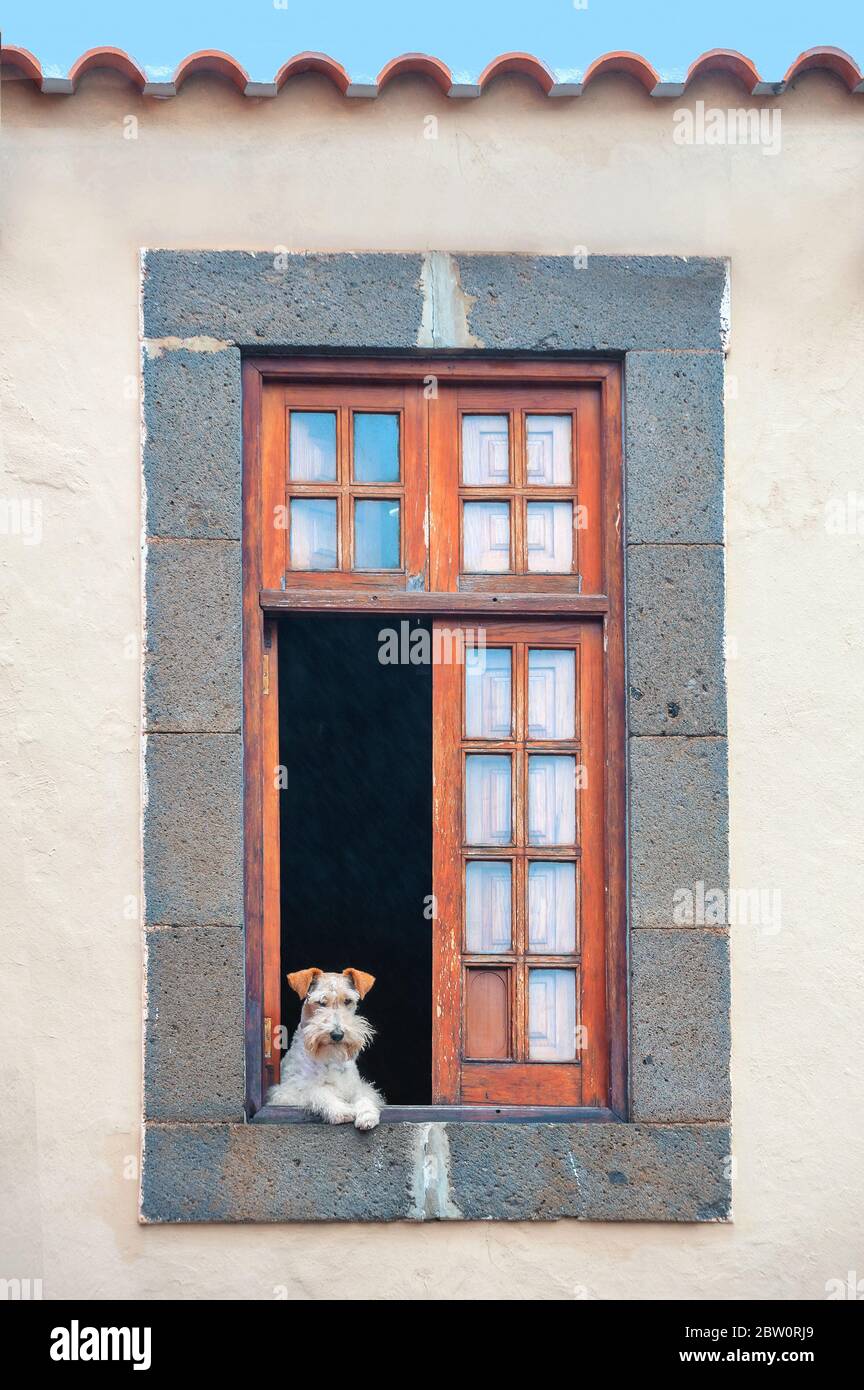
[[367, 1108], [330, 1108]]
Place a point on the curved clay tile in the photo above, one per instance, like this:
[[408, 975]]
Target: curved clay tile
[[834, 59], [631, 63], [726, 60], [521, 63], [113, 58], [23, 60], [314, 62], [421, 65], [211, 60]]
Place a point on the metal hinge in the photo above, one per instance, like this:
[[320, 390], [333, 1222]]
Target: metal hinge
[[268, 1038]]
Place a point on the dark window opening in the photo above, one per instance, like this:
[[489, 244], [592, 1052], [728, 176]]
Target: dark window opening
[[356, 833]]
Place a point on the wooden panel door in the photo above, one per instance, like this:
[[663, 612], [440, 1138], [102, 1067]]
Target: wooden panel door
[[271, 906], [518, 863]]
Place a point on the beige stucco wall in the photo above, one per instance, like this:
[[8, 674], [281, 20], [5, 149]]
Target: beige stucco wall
[[511, 172]]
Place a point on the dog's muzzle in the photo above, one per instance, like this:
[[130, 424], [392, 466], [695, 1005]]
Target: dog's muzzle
[[337, 1035]]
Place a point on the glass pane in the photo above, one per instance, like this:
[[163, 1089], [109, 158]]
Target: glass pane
[[376, 534], [312, 448], [552, 1015], [376, 448], [313, 533], [550, 537], [487, 799], [487, 1013], [551, 800], [552, 908], [549, 450], [485, 450], [486, 528], [487, 905], [551, 694], [487, 692]]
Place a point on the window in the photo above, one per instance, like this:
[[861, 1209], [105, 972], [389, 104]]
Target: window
[[518, 867], [347, 473], [473, 511]]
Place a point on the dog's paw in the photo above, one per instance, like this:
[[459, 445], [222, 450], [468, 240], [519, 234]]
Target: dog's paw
[[341, 1117], [366, 1119]]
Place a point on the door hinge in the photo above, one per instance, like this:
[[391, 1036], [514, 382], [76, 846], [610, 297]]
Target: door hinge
[[266, 673], [268, 1038]]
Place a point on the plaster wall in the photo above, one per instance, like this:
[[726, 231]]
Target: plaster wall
[[510, 172]]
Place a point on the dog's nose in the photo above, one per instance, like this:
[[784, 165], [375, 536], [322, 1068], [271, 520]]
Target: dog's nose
[[337, 1035]]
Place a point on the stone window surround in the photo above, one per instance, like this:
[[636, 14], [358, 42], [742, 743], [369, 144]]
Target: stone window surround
[[665, 316]]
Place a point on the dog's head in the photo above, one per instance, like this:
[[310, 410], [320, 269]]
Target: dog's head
[[332, 1029]]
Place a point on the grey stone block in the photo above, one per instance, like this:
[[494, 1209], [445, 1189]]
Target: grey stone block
[[616, 303], [521, 1172], [277, 1173], [679, 823], [193, 829], [194, 1067], [593, 1172], [192, 670], [298, 300], [675, 666], [193, 445], [680, 1025], [674, 446]]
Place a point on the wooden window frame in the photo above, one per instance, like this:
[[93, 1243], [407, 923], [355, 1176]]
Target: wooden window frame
[[454, 1070], [530, 596]]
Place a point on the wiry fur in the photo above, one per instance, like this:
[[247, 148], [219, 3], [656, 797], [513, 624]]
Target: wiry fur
[[319, 1071]]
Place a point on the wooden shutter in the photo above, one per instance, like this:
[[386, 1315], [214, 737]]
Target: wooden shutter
[[518, 863]]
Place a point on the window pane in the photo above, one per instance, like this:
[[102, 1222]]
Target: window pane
[[487, 692], [552, 1015], [313, 533], [485, 450], [551, 694], [376, 534], [312, 448], [486, 528], [551, 800], [551, 908], [550, 537], [487, 1013], [487, 799], [549, 450], [487, 905], [376, 448]]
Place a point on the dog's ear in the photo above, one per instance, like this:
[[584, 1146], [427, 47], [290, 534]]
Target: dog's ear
[[301, 980], [360, 980]]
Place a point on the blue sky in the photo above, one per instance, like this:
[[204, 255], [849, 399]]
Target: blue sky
[[364, 34]]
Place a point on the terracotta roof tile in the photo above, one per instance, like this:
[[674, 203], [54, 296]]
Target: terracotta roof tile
[[721, 60]]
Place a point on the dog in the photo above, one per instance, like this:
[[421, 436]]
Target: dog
[[319, 1071]]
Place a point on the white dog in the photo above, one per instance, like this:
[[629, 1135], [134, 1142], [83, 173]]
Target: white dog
[[318, 1070]]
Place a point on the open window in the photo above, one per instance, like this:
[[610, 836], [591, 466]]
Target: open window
[[434, 721]]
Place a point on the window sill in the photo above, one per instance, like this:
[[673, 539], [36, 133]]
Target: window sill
[[440, 1114], [278, 1170]]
